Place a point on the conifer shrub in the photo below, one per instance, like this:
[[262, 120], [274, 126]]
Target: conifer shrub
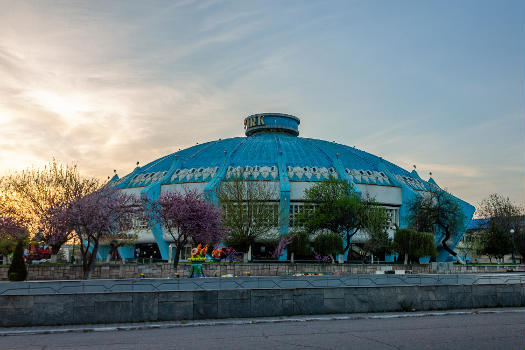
[[18, 270]]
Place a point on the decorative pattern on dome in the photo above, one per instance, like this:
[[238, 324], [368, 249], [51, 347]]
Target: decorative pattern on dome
[[306, 173], [193, 175], [141, 180], [414, 183], [371, 177], [253, 172]]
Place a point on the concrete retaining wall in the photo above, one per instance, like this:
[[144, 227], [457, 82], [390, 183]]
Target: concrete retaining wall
[[36, 310], [110, 271]]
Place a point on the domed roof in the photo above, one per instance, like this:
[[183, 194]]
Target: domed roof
[[271, 136]]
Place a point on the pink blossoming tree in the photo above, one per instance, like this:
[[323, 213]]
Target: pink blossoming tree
[[188, 218], [106, 213], [12, 225]]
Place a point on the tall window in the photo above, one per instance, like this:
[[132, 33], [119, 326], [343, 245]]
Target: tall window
[[295, 209]]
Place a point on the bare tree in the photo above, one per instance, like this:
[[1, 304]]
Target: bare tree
[[250, 210], [504, 226]]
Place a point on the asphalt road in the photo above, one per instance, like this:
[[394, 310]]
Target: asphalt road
[[504, 330]]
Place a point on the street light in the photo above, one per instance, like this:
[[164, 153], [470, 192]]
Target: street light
[[513, 242]]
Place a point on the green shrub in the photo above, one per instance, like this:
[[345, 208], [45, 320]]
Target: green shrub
[[428, 247], [300, 245], [328, 244], [18, 271], [414, 244], [7, 246]]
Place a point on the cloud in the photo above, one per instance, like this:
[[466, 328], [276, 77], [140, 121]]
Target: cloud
[[81, 94], [106, 85]]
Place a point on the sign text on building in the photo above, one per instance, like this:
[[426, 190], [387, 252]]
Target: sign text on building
[[254, 121]]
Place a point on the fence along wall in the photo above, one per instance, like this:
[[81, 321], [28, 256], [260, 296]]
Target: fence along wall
[[56, 309], [119, 271]]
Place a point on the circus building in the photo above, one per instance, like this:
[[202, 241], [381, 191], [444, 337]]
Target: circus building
[[272, 151]]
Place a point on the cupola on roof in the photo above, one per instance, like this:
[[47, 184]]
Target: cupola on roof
[[271, 122]]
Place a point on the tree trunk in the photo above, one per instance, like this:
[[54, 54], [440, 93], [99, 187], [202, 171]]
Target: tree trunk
[[406, 259], [444, 243], [348, 240], [88, 268], [178, 249], [55, 248]]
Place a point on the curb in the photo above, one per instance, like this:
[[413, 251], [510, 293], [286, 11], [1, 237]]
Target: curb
[[164, 325]]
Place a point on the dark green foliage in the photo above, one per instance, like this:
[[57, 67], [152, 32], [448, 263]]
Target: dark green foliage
[[300, 245], [437, 212], [519, 241], [328, 244], [496, 243], [339, 209], [414, 244], [18, 271], [379, 243]]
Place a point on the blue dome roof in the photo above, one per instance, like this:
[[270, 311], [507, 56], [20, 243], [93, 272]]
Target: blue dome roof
[[271, 136]]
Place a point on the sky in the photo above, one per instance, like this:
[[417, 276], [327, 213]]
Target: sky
[[104, 84]]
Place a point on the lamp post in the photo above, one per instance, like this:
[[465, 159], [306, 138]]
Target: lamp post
[[513, 243]]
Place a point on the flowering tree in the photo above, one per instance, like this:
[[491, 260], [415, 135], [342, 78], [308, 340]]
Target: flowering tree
[[187, 218], [12, 225], [105, 213], [33, 192], [13, 230]]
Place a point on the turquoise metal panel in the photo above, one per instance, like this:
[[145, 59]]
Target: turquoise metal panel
[[152, 193], [211, 187], [127, 252], [284, 193], [407, 196]]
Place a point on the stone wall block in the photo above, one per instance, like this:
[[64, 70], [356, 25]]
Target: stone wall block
[[205, 304], [145, 307], [175, 310], [234, 303]]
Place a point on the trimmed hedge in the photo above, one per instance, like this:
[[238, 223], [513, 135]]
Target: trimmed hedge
[[414, 243], [328, 244]]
